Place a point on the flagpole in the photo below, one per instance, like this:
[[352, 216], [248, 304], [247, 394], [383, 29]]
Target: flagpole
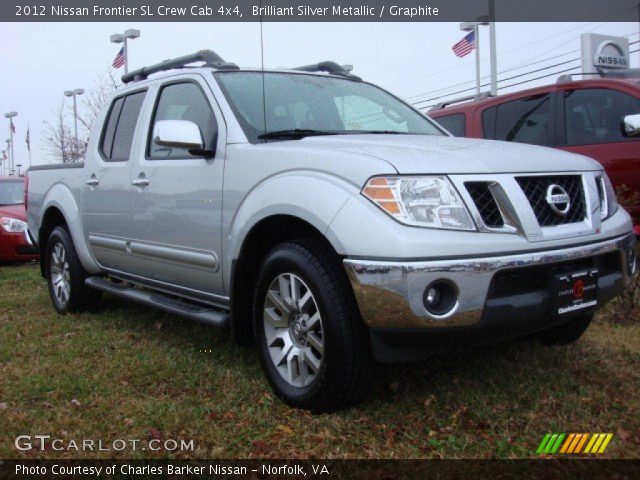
[[492, 47], [29, 144], [476, 32], [13, 155]]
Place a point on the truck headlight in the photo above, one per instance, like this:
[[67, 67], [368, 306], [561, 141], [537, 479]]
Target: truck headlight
[[423, 201], [13, 225], [608, 200]]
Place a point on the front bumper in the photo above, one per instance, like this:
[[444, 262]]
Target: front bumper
[[16, 247], [390, 293]]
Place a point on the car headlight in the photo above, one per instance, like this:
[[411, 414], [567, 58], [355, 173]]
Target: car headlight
[[13, 225], [424, 201], [608, 200]]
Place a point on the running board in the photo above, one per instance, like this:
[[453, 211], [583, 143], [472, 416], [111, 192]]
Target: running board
[[191, 311]]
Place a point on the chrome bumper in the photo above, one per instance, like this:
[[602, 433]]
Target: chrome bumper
[[390, 294]]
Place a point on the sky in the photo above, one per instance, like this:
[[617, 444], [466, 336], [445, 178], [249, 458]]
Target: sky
[[413, 60]]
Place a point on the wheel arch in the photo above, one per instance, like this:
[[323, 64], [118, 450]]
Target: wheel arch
[[61, 208], [261, 238]]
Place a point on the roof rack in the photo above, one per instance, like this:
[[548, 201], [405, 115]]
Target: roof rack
[[602, 73], [479, 96], [329, 67], [209, 57]]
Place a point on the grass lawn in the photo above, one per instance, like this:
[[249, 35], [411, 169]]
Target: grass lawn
[[130, 372]]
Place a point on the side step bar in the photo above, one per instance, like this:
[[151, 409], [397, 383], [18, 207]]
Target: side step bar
[[191, 311]]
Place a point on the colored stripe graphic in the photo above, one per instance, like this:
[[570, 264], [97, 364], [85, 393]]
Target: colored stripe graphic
[[581, 443], [573, 443]]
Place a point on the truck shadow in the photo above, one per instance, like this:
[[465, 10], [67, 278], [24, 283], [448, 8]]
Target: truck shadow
[[498, 376]]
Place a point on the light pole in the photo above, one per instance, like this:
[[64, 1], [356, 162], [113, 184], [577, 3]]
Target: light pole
[[74, 94], [9, 144], [475, 28], [130, 33], [12, 158]]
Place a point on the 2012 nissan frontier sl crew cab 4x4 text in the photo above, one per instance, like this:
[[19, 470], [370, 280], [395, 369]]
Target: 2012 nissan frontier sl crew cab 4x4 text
[[325, 221]]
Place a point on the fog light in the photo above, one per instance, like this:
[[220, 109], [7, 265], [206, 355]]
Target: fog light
[[440, 297]]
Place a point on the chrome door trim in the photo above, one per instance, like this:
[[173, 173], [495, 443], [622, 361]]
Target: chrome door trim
[[197, 258], [110, 243]]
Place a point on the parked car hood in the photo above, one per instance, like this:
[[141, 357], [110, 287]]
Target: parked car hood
[[441, 154], [14, 211]]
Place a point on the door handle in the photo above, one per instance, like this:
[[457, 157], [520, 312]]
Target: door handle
[[141, 181], [92, 181]]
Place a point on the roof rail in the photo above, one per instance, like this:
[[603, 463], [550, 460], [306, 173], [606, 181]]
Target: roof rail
[[209, 57], [329, 67], [603, 73], [479, 96]]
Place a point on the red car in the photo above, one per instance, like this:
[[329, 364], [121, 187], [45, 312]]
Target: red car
[[582, 116], [15, 244]]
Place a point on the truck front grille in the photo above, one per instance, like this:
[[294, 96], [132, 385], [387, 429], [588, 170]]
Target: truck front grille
[[535, 189], [485, 203]]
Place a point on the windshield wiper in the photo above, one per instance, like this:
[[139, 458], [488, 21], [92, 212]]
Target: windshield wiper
[[381, 132], [295, 133]]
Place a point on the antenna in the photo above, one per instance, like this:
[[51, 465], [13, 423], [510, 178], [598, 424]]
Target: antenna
[[264, 97]]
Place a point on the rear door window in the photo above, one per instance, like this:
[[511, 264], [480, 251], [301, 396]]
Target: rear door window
[[455, 123], [525, 120], [126, 128], [593, 115], [110, 127]]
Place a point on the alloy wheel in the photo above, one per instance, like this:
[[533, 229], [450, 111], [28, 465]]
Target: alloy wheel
[[60, 274], [293, 330]]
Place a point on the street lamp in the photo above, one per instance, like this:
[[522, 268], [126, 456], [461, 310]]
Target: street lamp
[[9, 143], [74, 94], [475, 27], [122, 38], [10, 116]]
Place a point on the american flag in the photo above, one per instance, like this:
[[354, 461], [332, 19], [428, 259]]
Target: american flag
[[119, 60], [465, 46], [4, 154], [28, 140], [12, 126]]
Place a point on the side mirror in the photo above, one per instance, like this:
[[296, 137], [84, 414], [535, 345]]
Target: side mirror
[[630, 126], [177, 134]]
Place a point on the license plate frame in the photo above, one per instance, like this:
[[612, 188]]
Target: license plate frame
[[575, 291]]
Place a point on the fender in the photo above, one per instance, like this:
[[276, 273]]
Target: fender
[[310, 195], [61, 197]]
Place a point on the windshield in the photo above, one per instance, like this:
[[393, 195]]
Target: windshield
[[12, 192], [317, 104]]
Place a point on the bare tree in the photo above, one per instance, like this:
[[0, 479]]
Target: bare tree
[[59, 142], [96, 98], [57, 136]]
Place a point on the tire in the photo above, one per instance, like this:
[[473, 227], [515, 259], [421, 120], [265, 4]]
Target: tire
[[322, 344], [66, 276], [566, 333]]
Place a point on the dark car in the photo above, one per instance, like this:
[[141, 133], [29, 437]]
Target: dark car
[[15, 244]]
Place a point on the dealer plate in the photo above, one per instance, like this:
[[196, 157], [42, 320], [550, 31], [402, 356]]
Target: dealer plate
[[576, 291]]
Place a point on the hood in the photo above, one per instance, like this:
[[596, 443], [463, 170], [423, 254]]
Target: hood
[[14, 211], [450, 155]]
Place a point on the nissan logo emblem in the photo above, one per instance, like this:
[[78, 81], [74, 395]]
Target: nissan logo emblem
[[558, 199]]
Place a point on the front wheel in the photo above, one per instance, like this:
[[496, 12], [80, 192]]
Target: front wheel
[[66, 276], [314, 348]]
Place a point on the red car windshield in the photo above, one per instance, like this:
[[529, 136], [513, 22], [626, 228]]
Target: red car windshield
[[11, 192]]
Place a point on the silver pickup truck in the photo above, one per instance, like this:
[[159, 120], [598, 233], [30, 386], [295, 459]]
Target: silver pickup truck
[[327, 222]]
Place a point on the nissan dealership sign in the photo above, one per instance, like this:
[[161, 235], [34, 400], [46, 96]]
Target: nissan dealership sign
[[603, 52]]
